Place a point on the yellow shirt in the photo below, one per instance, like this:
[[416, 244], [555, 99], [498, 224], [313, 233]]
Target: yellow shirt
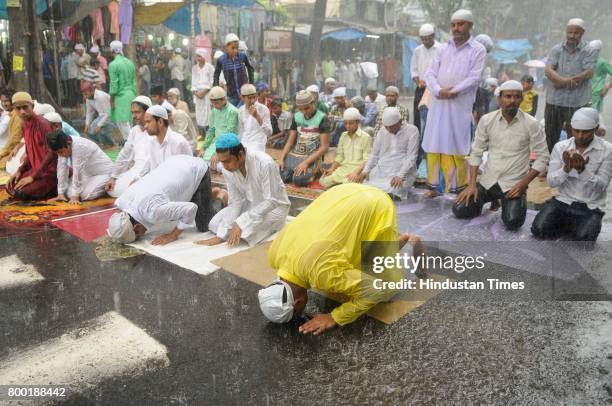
[[527, 103], [15, 135], [354, 151], [321, 247]]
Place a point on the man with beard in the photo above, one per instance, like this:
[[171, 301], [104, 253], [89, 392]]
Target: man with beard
[[132, 161], [569, 69], [510, 136], [580, 169], [165, 142], [452, 78], [391, 97]]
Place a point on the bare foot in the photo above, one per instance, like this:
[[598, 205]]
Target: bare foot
[[431, 194], [210, 241]]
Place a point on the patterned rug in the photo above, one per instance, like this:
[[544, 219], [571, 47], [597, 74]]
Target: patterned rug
[[310, 193], [16, 214]]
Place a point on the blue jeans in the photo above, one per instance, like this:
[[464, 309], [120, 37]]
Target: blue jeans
[[102, 138]]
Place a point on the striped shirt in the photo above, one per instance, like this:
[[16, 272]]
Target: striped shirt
[[237, 72]]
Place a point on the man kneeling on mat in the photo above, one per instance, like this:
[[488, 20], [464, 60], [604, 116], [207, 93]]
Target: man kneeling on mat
[[580, 168], [258, 201], [178, 189], [321, 249]]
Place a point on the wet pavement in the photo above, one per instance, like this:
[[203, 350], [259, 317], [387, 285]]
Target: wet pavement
[[202, 339], [457, 348]]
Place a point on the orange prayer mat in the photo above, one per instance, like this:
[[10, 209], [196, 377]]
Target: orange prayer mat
[[17, 214]]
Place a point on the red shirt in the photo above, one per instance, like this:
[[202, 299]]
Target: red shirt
[[39, 157]]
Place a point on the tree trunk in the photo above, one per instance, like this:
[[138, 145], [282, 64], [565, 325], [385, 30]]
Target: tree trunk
[[312, 56], [20, 39]]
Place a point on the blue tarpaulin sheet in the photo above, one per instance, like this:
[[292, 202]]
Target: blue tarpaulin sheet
[[180, 21], [509, 50], [346, 34], [409, 47]]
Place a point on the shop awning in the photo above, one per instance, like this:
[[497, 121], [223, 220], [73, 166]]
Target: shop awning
[[510, 50], [156, 14], [345, 34]]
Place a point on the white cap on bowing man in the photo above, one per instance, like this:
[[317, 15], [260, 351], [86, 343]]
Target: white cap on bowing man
[[586, 118]]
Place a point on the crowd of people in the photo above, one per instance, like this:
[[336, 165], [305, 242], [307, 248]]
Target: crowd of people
[[478, 137]]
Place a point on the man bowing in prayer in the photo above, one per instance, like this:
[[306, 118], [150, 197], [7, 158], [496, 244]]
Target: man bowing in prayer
[[510, 135], [258, 203], [322, 249], [453, 78], [178, 190], [36, 178], [122, 88]]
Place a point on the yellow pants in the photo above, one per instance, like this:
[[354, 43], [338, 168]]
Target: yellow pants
[[453, 168]]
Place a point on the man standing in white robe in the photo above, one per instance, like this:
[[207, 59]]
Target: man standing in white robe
[[258, 203], [202, 76], [90, 167], [254, 125], [132, 161], [392, 163]]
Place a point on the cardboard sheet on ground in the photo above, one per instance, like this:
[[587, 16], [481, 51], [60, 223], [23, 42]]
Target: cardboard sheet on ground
[[184, 252], [434, 221], [252, 265]]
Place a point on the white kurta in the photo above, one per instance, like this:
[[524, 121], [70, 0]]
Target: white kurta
[[202, 78], [132, 161], [91, 169], [183, 124], [394, 155], [173, 144], [165, 194], [13, 164], [252, 135], [4, 121], [258, 203]]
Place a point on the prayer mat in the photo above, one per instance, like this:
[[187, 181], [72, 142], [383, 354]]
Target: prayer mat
[[86, 226], [252, 265], [184, 252], [109, 250], [433, 220], [17, 214], [310, 193]]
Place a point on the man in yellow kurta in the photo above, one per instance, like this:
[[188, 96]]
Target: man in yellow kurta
[[15, 129], [321, 249], [352, 154]]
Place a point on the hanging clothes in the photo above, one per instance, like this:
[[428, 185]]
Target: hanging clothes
[[208, 17], [97, 33], [113, 9], [87, 28], [106, 21], [125, 19]]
